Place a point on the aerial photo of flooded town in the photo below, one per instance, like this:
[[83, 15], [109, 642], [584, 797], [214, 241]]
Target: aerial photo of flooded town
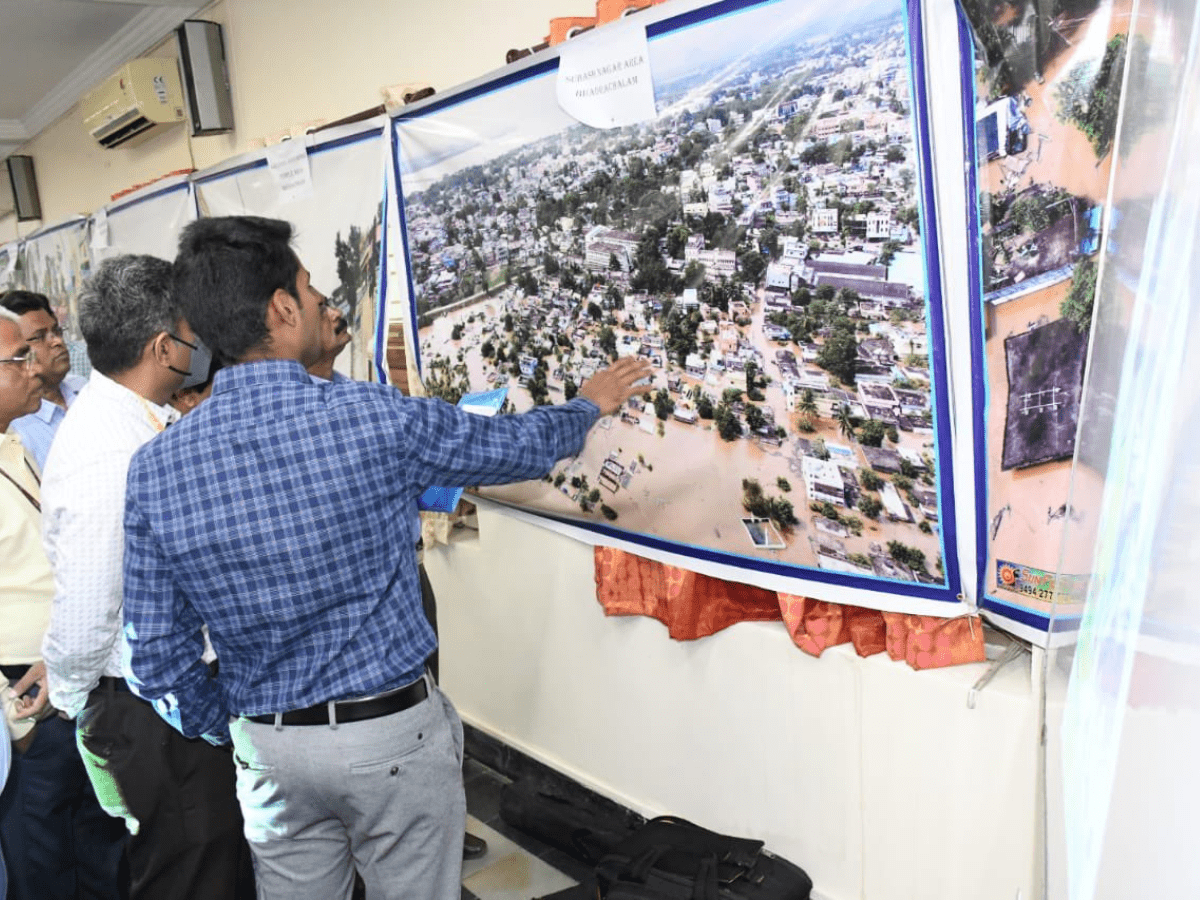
[[1048, 94], [759, 243]]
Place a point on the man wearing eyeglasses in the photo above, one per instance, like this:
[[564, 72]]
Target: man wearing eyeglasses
[[176, 796], [52, 366], [56, 839]]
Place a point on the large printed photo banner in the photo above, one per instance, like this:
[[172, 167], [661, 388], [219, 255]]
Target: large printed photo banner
[[9, 254], [148, 222], [766, 241], [1047, 91], [336, 215], [56, 262]]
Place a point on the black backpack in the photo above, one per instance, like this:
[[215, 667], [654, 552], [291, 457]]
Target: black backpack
[[669, 858]]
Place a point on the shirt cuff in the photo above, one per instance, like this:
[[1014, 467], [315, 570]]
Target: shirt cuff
[[584, 402]]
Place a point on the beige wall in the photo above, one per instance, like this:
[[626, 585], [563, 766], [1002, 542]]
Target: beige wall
[[290, 62]]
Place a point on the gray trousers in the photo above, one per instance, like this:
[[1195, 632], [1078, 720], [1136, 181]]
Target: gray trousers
[[384, 796]]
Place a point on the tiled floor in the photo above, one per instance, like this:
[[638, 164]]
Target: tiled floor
[[516, 866]]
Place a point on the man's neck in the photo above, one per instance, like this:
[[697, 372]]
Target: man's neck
[[144, 384], [322, 369], [54, 394]]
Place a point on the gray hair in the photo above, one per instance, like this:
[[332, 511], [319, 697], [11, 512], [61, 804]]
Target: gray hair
[[121, 309]]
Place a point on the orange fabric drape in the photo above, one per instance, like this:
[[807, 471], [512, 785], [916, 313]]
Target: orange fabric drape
[[690, 605], [693, 605]]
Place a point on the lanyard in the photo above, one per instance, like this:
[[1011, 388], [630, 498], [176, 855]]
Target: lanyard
[[28, 496], [157, 424]]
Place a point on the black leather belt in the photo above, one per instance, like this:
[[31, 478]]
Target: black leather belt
[[353, 710], [109, 683]]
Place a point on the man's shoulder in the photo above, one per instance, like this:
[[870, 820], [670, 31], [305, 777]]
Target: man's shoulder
[[349, 391], [88, 425], [24, 425]]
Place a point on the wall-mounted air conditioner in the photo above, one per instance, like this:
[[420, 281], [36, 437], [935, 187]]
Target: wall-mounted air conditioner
[[137, 101]]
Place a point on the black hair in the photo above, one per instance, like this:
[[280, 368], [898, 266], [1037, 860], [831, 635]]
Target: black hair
[[227, 270], [21, 302]]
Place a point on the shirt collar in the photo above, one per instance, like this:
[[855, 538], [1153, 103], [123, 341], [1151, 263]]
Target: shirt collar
[[46, 410], [131, 400], [69, 387], [261, 371]]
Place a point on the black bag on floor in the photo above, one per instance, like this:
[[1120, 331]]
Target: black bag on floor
[[671, 859], [580, 824]]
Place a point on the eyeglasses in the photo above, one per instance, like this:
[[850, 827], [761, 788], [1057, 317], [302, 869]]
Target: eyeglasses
[[187, 344], [44, 334], [25, 360]]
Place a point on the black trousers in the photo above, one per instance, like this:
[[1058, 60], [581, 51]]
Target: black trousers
[[177, 795], [57, 842]]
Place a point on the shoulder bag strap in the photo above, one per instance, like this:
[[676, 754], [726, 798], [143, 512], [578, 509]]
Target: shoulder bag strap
[[28, 496]]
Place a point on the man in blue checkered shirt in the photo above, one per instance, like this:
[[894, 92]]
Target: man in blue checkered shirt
[[278, 515]]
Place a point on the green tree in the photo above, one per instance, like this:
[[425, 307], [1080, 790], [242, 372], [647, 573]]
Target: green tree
[[663, 404], [870, 506], [808, 403], [728, 425], [839, 355], [1077, 305], [607, 340], [783, 483], [1035, 212], [906, 555], [887, 252], [1090, 96], [782, 513], [570, 388], [348, 255], [872, 433], [752, 265], [704, 407], [753, 499], [845, 420], [754, 417], [870, 480], [819, 450]]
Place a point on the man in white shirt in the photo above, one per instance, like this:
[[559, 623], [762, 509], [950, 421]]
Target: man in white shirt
[[175, 795], [53, 834], [51, 366]]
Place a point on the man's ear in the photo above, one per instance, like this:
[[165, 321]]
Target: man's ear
[[160, 348], [285, 308]]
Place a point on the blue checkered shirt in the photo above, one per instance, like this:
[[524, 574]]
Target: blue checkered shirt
[[279, 514]]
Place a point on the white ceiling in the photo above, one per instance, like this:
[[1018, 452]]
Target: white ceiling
[[54, 51]]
